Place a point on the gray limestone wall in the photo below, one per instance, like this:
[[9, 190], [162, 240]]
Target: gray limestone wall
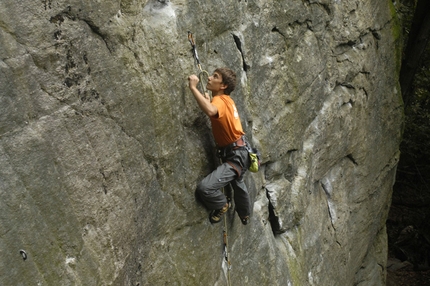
[[102, 144]]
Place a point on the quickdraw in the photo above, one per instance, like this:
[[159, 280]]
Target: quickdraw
[[203, 75]]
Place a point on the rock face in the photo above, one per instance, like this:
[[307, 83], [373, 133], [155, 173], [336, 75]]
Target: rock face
[[102, 144]]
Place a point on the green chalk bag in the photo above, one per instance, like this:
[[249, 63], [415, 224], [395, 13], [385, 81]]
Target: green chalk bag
[[254, 157]]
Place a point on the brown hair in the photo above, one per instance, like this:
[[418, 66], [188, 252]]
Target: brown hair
[[228, 78]]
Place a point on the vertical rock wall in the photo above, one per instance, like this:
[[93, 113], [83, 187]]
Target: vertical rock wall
[[102, 145]]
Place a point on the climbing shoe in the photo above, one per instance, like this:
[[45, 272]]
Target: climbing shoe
[[244, 220], [215, 215]]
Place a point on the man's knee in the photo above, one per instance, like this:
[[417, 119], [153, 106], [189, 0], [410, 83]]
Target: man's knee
[[201, 188]]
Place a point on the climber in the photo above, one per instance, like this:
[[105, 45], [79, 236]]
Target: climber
[[229, 138]]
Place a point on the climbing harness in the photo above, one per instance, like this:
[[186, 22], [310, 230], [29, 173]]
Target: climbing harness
[[203, 75]]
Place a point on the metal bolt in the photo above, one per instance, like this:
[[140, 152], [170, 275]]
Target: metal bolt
[[23, 254]]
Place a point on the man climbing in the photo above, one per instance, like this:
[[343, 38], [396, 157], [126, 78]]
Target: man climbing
[[229, 138]]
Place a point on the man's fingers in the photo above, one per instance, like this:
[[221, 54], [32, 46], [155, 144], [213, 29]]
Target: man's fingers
[[193, 80], [193, 77]]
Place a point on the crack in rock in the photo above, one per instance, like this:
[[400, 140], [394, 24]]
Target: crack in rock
[[239, 47]]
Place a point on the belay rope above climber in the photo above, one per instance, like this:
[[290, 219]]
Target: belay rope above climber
[[203, 75]]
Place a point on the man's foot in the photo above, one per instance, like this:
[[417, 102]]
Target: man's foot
[[245, 220], [216, 215]]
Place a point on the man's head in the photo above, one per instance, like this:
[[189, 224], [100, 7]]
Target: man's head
[[228, 79]]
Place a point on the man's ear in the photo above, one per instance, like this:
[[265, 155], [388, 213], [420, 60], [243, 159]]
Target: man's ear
[[223, 86]]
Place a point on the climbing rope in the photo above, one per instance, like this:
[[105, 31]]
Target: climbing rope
[[203, 78], [225, 232], [203, 75], [225, 240]]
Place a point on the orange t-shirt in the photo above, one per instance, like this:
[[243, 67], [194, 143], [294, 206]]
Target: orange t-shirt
[[226, 126]]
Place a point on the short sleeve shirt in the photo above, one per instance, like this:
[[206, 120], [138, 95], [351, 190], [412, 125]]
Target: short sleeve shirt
[[226, 125]]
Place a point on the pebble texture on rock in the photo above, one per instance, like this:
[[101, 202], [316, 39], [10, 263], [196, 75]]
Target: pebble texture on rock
[[102, 143]]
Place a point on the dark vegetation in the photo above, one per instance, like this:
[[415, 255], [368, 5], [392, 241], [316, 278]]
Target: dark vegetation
[[408, 223]]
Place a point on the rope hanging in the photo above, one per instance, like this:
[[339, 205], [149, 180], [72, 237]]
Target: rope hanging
[[203, 78], [226, 253]]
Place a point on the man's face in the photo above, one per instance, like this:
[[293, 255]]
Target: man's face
[[215, 82]]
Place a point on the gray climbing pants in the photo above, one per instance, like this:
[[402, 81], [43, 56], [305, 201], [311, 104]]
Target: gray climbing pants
[[231, 171]]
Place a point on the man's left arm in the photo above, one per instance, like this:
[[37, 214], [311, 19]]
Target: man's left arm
[[202, 100]]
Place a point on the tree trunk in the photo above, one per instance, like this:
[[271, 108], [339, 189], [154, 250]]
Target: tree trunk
[[417, 42]]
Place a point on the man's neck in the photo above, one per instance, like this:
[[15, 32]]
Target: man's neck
[[220, 92]]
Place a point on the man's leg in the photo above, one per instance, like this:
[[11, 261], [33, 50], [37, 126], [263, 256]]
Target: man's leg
[[241, 198], [209, 189]]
